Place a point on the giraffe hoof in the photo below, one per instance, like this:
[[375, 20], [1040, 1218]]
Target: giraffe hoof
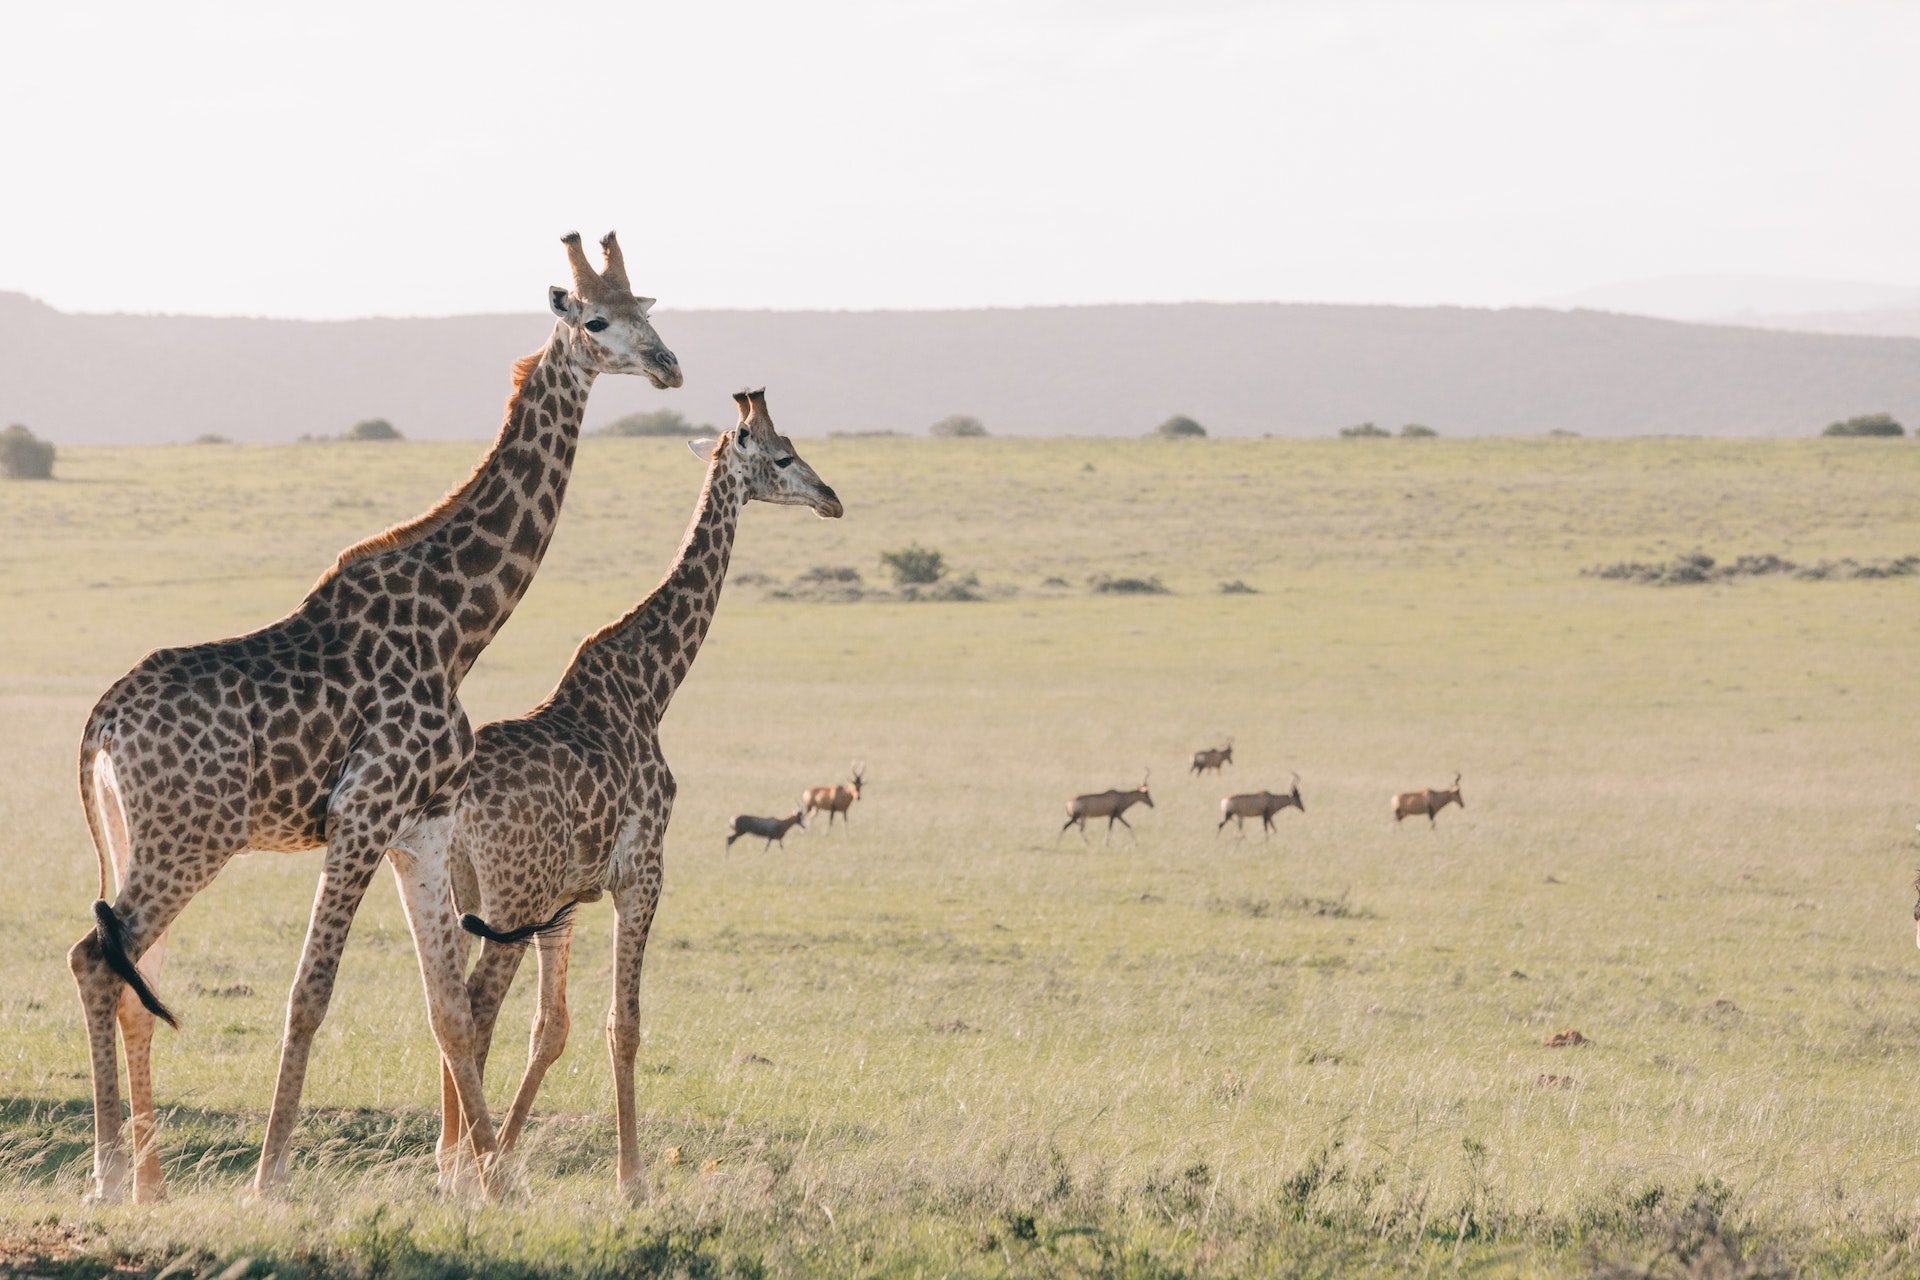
[[156, 1194], [102, 1195]]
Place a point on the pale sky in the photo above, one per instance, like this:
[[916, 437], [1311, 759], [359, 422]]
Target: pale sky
[[355, 159]]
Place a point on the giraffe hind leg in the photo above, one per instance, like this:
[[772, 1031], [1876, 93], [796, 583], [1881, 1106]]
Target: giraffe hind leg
[[549, 1038]]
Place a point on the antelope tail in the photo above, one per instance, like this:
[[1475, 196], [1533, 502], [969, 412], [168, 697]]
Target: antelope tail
[[479, 928]]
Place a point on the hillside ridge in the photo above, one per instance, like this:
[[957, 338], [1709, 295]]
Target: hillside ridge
[[1299, 369]]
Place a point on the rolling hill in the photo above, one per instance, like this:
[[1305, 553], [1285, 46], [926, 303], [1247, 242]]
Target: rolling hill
[[1241, 369]]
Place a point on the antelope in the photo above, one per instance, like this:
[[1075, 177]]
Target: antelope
[[834, 800], [1259, 804], [1212, 759], [1111, 805], [1411, 804], [772, 828]]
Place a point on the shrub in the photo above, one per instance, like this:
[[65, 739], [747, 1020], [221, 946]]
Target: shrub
[[1365, 431], [1236, 588], [1180, 427], [1414, 431], [1130, 586], [372, 429], [211, 437], [915, 565], [958, 424], [661, 422], [25, 456], [1866, 424]]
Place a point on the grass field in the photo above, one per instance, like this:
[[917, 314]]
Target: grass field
[[946, 1042]]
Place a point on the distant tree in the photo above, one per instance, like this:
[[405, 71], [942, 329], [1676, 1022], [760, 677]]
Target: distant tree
[[211, 437], [660, 422], [1867, 424], [1414, 431], [25, 456], [1180, 427], [1365, 431], [958, 424], [915, 565], [372, 429]]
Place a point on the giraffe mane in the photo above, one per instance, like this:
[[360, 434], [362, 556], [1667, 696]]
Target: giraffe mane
[[409, 532]]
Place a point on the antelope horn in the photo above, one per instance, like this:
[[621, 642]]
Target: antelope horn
[[1456, 778], [586, 281], [1296, 776], [615, 273]]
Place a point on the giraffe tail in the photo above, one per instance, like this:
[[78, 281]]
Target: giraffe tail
[[113, 947], [479, 928], [111, 930]]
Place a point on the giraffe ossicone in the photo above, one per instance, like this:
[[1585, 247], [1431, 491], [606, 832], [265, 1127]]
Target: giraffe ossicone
[[338, 725]]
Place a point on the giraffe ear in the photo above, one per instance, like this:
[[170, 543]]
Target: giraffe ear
[[703, 449], [562, 303]]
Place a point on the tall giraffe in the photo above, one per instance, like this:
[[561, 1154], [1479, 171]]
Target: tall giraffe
[[340, 724], [572, 799]]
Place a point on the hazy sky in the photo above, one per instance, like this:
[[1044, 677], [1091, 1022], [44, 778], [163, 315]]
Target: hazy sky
[[353, 159]]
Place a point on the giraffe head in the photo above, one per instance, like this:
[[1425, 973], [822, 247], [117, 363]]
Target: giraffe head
[[607, 327], [765, 462]]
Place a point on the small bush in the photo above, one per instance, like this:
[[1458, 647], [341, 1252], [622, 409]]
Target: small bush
[[957, 425], [372, 429], [211, 437], [915, 565], [1130, 586], [1866, 424], [1561, 433], [964, 587], [1180, 427], [1236, 588], [25, 456], [1414, 431], [1365, 431], [660, 422]]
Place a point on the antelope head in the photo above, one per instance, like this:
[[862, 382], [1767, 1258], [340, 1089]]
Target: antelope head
[[1297, 802], [1145, 799], [859, 771], [1457, 797], [608, 328]]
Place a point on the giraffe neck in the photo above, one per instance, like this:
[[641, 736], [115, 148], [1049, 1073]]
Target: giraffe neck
[[458, 572], [634, 666]]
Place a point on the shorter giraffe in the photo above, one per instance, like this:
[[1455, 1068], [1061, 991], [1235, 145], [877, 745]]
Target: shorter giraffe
[[573, 798]]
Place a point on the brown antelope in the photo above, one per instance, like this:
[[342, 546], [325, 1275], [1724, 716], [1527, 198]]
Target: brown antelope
[[1411, 804], [1259, 804], [1111, 805], [834, 800], [1212, 759], [772, 828]]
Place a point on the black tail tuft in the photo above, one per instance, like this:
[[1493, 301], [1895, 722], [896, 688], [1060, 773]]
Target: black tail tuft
[[113, 947], [479, 928]]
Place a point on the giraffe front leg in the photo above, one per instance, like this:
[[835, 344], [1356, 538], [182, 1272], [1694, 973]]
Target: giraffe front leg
[[634, 916], [349, 869], [426, 891]]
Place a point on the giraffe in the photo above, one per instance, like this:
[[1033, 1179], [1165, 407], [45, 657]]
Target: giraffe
[[572, 799], [337, 725]]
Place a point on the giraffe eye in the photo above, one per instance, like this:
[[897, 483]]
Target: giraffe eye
[[595, 325], [783, 463]]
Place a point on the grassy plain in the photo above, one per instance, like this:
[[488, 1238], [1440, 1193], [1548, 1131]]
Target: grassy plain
[[945, 1042]]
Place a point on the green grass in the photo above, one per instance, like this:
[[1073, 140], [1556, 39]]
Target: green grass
[[993, 1051]]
